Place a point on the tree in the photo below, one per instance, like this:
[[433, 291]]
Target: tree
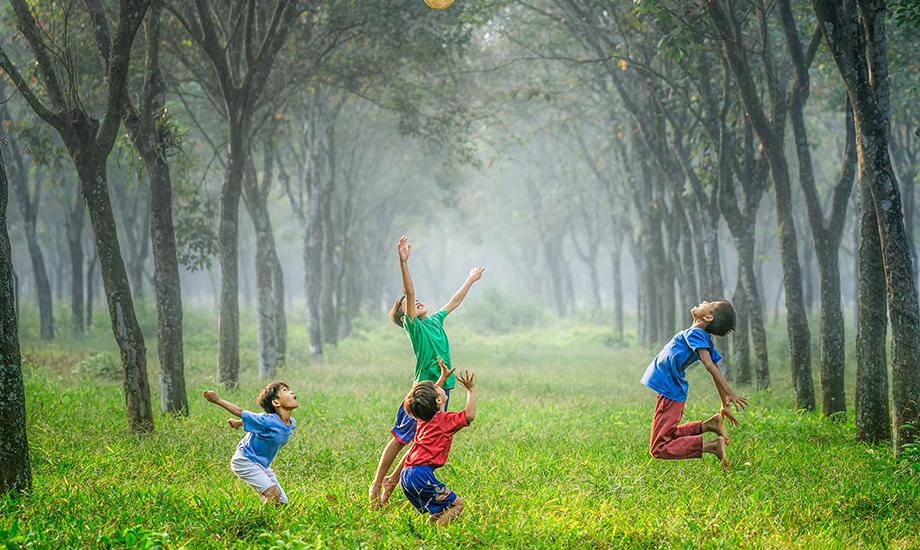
[[89, 143], [28, 207], [156, 138], [15, 469], [855, 35], [771, 138], [242, 64]]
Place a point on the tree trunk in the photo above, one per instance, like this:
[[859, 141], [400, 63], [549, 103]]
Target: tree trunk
[[15, 469], [873, 415], [617, 284], [740, 342], [127, 332], [28, 207], [797, 322], [75, 243], [265, 272], [228, 324], [90, 288]]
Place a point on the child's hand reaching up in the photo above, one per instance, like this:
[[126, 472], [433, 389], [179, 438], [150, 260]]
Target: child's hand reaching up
[[476, 273], [465, 379], [403, 248], [235, 423], [445, 372]]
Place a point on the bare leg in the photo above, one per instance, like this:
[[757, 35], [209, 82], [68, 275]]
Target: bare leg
[[390, 452], [450, 513], [717, 447], [716, 425]]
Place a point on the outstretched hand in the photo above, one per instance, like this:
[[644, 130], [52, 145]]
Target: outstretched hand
[[445, 372], [476, 273], [465, 379], [404, 248], [727, 415], [211, 396]]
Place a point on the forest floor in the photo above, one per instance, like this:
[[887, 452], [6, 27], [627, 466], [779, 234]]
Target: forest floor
[[556, 458]]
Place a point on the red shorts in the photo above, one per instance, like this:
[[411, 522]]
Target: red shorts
[[673, 441]]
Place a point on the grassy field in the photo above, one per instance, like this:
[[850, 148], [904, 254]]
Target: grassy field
[[557, 457]]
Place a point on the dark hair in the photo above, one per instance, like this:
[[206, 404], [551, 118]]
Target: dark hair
[[269, 394], [397, 313], [723, 319], [422, 401]]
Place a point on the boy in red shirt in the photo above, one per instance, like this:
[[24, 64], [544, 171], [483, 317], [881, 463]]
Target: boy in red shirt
[[436, 428]]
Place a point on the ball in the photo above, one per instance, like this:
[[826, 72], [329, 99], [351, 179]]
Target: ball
[[439, 4]]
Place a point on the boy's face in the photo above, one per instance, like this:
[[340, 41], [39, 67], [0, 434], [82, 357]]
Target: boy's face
[[420, 310], [286, 399], [703, 312], [442, 398]]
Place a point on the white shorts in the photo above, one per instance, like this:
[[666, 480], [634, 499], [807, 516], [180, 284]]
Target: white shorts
[[257, 476]]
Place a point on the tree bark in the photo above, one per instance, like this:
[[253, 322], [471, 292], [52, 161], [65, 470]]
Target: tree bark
[[873, 415], [15, 469], [740, 341], [75, 220]]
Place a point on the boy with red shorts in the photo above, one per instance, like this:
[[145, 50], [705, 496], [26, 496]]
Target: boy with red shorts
[[665, 375]]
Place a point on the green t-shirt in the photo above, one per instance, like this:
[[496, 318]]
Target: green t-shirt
[[429, 341]]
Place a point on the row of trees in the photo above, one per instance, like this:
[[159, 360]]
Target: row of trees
[[638, 129]]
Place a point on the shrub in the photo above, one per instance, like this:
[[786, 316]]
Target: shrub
[[105, 365], [495, 310]]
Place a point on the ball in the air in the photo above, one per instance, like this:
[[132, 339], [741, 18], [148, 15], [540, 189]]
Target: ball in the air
[[439, 4]]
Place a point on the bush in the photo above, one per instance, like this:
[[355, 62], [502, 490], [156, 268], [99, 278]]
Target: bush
[[105, 365], [495, 310]]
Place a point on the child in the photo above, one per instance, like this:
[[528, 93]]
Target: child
[[429, 341], [266, 433], [427, 402], [666, 376]]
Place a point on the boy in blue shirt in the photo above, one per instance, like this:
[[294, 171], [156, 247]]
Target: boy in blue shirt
[[429, 342], [266, 433], [665, 375]]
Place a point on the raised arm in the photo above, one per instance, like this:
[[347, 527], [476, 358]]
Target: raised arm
[[475, 275], [408, 289], [466, 380], [211, 396], [726, 395]]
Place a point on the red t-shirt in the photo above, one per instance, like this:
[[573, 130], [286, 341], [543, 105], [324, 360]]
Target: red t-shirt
[[432, 439]]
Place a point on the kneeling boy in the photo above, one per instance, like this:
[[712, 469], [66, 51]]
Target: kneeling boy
[[266, 433], [436, 428]]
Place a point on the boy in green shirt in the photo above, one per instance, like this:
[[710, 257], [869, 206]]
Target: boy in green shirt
[[429, 342]]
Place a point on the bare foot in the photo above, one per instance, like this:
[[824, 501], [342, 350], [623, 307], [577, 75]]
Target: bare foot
[[373, 496], [719, 451], [716, 425], [386, 490]]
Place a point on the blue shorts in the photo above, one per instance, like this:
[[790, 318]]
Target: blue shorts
[[424, 490], [404, 427]]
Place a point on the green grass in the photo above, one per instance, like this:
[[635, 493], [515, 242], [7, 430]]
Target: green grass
[[557, 457]]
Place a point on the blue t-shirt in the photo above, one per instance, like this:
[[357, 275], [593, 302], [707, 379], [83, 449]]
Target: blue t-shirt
[[266, 434], [665, 374]]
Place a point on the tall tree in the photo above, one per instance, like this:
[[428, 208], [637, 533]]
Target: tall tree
[[29, 201], [154, 135], [89, 143], [770, 132], [242, 64], [15, 469], [855, 34]]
